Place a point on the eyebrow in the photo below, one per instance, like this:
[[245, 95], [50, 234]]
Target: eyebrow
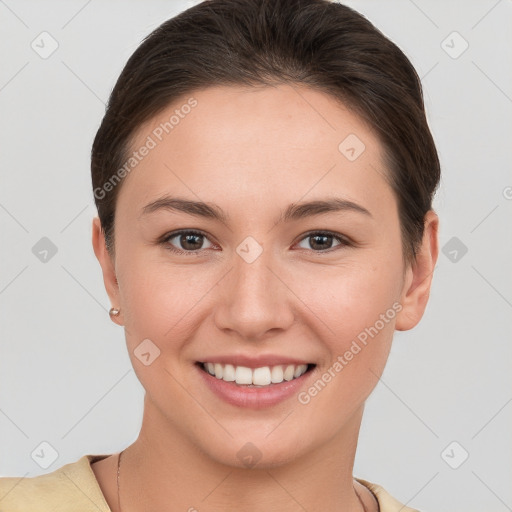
[[294, 211]]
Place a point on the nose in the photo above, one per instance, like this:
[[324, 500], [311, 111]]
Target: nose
[[253, 300]]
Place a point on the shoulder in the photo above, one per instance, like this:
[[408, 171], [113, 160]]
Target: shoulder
[[71, 487], [386, 502]]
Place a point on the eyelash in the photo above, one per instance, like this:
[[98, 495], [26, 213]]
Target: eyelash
[[343, 241]]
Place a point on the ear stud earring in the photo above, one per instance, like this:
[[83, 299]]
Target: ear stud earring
[[114, 312]]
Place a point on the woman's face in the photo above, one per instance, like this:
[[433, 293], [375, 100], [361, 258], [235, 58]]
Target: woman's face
[[266, 280]]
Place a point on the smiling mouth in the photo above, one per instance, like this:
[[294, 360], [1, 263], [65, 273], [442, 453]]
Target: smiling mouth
[[255, 377]]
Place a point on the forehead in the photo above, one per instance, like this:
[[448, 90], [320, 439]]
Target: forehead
[[232, 143]]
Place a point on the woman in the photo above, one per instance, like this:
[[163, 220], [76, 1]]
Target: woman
[[264, 176]]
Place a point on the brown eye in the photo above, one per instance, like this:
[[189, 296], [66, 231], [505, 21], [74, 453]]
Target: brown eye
[[322, 241], [186, 241]]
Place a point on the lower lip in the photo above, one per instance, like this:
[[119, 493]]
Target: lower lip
[[253, 397]]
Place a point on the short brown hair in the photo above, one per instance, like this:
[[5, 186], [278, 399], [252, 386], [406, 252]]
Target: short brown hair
[[324, 45]]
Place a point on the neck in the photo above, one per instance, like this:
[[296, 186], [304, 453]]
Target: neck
[[162, 468]]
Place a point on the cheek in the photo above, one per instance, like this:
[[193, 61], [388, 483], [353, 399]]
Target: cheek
[[353, 311], [159, 299], [345, 300], [355, 324]]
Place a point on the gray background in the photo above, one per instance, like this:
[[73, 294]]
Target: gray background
[[65, 376]]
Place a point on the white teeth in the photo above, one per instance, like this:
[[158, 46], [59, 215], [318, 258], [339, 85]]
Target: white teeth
[[243, 375], [229, 373], [303, 370], [218, 370], [289, 372], [299, 370], [276, 375], [262, 376]]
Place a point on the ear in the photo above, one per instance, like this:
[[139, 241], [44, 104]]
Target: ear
[[418, 277], [107, 266]]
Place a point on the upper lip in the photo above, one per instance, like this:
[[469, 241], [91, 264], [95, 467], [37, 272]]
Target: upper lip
[[254, 361]]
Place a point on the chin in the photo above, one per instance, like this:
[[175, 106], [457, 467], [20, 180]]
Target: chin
[[254, 452]]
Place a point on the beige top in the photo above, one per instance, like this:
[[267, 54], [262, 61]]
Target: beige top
[[74, 488]]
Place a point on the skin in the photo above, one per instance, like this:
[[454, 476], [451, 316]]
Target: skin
[[252, 152]]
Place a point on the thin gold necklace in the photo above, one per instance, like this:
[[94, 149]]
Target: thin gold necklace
[[119, 501], [118, 468]]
